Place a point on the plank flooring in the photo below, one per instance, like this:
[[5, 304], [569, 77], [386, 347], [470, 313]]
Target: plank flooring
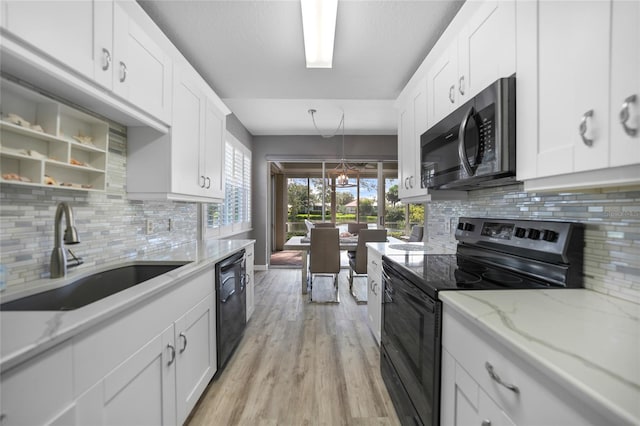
[[299, 363]]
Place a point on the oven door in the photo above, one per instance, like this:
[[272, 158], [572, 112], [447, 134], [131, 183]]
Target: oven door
[[411, 342]]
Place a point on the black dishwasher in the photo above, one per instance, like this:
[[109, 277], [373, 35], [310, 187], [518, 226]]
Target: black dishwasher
[[231, 307]]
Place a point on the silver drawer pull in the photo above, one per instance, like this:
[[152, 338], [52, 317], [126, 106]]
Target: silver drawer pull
[[172, 351], [497, 378], [485, 422], [624, 116], [184, 339]]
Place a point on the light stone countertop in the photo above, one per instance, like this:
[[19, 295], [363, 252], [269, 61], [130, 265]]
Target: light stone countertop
[[587, 339], [28, 333], [398, 247]]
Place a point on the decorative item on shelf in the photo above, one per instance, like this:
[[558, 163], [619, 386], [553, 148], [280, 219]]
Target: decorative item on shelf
[[76, 185], [17, 120], [15, 176], [48, 180], [343, 170], [77, 162], [37, 128], [35, 154], [84, 139]]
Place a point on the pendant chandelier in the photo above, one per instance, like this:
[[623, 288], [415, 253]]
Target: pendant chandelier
[[343, 170]]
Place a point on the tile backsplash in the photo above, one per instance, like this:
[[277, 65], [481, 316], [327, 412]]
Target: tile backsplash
[[110, 226], [611, 219]]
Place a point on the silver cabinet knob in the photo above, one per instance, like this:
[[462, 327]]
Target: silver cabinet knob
[[625, 116], [583, 128], [106, 59], [208, 182], [461, 84], [452, 91], [486, 422]]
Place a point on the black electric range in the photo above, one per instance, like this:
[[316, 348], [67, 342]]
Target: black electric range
[[491, 254]]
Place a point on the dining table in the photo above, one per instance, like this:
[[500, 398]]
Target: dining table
[[303, 244]]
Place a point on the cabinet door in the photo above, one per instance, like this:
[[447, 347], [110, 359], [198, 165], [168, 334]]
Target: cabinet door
[[142, 70], [573, 63], [625, 82], [374, 297], [139, 391], [185, 135], [196, 355], [442, 81], [405, 124], [39, 391], [250, 287], [212, 157], [486, 48], [71, 32]]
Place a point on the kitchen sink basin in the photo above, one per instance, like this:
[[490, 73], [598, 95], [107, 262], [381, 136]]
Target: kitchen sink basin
[[91, 288]]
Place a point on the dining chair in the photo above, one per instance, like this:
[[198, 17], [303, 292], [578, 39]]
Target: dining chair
[[324, 224], [324, 257], [353, 228], [417, 232], [358, 259]]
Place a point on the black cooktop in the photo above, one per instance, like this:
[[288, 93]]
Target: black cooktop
[[439, 272]]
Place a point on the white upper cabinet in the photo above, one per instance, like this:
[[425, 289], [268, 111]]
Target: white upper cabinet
[[141, 69], [412, 120], [482, 51], [625, 83], [573, 94], [578, 88], [64, 31], [187, 163], [89, 46]]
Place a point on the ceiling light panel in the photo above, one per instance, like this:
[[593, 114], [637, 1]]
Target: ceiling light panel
[[319, 29]]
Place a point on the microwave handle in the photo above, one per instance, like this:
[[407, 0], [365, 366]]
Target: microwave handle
[[462, 149]]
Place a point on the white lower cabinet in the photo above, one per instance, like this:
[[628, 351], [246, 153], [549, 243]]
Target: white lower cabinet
[[485, 383], [195, 346], [250, 283], [374, 292], [149, 366], [39, 391], [139, 391]]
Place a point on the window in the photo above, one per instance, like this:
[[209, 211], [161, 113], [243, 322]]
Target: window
[[234, 215]]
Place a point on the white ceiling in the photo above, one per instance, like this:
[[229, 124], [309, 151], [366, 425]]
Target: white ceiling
[[252, 54]]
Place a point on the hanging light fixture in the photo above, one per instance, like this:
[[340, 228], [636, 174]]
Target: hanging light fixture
[[343, 170]]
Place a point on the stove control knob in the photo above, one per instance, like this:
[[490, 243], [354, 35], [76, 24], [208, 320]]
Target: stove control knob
[[549, 235], [520, 232], [534, 234], [469, 226]]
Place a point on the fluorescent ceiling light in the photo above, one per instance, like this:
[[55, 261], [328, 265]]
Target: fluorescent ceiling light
[[319, 29]]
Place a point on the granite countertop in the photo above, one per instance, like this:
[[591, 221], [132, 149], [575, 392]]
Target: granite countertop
[[589, 340], [24, 334]]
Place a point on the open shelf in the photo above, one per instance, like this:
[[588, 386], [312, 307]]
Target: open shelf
[[47, 143]]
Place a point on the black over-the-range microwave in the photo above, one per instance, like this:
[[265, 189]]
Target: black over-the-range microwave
[[474, 146]]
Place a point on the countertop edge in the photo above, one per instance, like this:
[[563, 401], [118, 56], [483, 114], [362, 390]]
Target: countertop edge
[[144, 291]]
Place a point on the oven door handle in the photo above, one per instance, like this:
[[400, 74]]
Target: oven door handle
[[462, 146], [231, 293]]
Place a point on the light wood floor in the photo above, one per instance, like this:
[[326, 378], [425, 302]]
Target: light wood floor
[[300, 363]]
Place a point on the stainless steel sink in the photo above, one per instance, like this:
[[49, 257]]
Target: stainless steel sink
[[91, 288]]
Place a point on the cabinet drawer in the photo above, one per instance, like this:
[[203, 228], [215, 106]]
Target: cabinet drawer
[[540, 399], [39, 391]]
